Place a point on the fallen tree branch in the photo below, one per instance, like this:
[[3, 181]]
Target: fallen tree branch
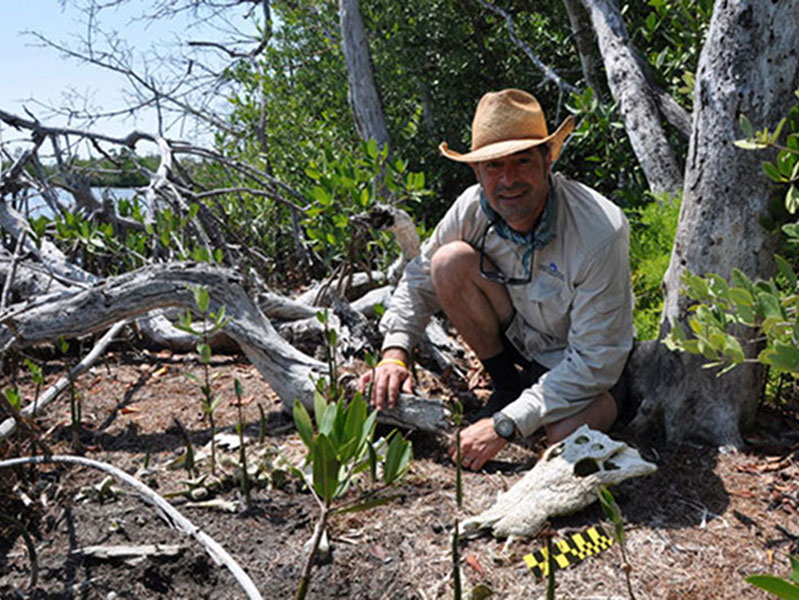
[[289, 372], [164, 509]]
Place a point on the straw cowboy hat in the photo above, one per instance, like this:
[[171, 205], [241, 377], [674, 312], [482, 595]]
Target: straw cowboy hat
[[507, 122]]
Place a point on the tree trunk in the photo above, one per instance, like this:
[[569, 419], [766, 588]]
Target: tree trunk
[[584, 41], [367, 108], [749, 65], [630, 89]]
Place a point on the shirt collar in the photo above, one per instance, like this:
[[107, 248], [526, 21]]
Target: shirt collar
[[543, 233]]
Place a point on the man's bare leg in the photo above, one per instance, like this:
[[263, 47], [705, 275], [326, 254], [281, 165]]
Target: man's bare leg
[[600, 415], [479, 309]]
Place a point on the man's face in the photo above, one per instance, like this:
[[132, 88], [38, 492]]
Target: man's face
[[516, 186]]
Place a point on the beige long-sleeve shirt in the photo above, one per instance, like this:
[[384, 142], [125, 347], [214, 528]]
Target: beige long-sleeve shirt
[[575, 315]]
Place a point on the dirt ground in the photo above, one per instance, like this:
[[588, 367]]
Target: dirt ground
[[695, 528]]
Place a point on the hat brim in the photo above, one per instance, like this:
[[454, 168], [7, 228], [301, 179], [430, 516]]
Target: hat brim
[[508, 147]]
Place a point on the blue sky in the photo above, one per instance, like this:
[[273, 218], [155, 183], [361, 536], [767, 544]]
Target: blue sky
[[29, 73]]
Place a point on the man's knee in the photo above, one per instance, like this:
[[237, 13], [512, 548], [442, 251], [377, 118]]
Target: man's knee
[[451, 264]]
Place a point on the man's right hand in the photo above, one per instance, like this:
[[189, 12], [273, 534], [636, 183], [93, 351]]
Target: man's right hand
[[389, 379]]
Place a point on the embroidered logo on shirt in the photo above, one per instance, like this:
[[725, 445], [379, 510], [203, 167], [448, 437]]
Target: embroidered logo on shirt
[[552, 269]]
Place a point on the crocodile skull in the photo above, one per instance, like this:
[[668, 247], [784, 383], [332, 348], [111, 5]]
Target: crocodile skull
[[565, 480]]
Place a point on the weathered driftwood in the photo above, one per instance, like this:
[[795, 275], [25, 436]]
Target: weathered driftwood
[[128, 551], [164, 509], [289, 372], [158, 329], [29, 279], [565, 480]]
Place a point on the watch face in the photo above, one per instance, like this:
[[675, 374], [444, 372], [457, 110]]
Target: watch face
[[504, 426]]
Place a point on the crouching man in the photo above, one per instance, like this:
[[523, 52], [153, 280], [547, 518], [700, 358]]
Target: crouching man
[[532, 269]]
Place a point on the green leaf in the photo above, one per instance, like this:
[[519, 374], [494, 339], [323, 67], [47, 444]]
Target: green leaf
[[328, 419], [337, 429], [319, 407], [781, 357], [746, 126], [12, 395], [769, 305], [786, 270], [718, 286], [353, 427], [202, 298], [739, 279], [368, 430], [795, 564], [397, 458], [186, 328], [772, 172], [204, 350], [750, 145], [734, 350], [741, 297], [302, 420], [371, 148], [321, 195], [325, 468], [792, 199], [781, 588]]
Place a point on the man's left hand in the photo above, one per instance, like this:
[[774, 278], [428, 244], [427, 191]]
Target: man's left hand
[[479, 444]]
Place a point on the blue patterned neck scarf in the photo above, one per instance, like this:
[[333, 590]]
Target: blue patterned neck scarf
[[540, 236]]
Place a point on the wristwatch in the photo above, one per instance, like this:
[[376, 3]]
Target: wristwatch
[[504, 426]]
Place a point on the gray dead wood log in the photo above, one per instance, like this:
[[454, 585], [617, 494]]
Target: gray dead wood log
[[630, 89], [289, 372], [128, 551], [565, 480], [364, 97], [719, 227], [164, 509]]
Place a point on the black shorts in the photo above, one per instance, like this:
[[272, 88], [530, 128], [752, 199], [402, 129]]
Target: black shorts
[[626, 404]]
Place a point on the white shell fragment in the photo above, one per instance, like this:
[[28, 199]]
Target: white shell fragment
[[565, 480]]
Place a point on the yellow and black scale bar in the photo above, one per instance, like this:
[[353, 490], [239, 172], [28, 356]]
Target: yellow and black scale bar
[[569, 551]]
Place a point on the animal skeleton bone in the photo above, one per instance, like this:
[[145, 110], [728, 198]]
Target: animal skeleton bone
[[565, 480]]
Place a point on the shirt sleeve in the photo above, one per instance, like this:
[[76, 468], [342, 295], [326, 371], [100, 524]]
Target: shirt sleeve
[[600, 339], [414, 301]]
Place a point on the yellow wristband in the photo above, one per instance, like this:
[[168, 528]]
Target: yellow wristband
[[391, 361]]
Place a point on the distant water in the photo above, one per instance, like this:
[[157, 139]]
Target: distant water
[[37, 207]]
